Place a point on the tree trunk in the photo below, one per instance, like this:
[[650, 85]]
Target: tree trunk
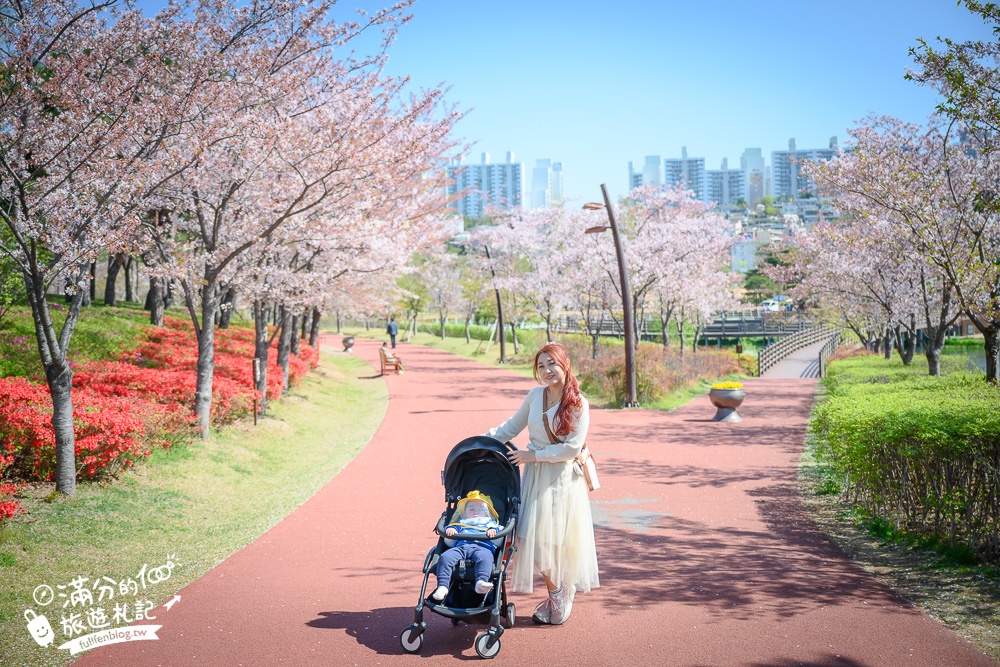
[[593, 345], [306, 321], [59, 377], [260, 347], [227, 306], [294, 337], [338, 321], [285, 344], [548, 327], [933, 353], [468, 333], [58, 374], [887, 342], [680, 333], [114, 266], [904, 345], [129, 294], [92, 293], [665, 328], [513, 334], [206, 350], [442, 320], [314, 327], [911, 341], [991, 334]]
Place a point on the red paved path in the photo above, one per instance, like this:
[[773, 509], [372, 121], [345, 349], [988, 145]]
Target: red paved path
[[706, 555]]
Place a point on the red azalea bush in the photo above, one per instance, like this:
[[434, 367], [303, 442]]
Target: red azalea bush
[[9, 505], [122, 409]]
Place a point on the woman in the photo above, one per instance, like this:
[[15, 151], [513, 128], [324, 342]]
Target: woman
[[556, 532]]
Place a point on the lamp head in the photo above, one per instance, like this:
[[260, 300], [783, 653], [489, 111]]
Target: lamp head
[[596, 230], [593, 206]]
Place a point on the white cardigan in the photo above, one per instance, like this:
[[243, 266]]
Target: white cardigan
[[530, 415]]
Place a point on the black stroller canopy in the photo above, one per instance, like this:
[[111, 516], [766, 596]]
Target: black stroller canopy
[[480, 463]]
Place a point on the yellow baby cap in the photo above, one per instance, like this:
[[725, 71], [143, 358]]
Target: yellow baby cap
[[475, 495]]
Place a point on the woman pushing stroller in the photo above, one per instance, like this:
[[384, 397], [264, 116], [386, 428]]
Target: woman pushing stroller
[[555, 534]]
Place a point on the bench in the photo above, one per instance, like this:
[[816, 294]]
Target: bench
[[389, 362]]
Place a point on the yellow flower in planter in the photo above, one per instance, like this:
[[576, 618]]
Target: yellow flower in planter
[[727, 385]]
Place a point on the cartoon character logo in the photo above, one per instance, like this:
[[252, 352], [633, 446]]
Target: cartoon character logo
[[39, 628]]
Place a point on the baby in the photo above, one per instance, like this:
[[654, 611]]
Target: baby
[[475, 515]]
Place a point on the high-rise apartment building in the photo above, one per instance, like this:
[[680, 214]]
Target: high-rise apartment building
[[485, 184], [786, 167], [650, 174], [691, 170], [725, 185], [546, 184], [634, 177], [754, 176]]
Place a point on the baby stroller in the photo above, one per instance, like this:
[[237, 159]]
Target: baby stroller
[[477, 463]]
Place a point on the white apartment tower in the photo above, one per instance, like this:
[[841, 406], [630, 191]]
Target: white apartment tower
[[725, 185], [485, 184], [786, 166], [691, 170], [546, 184], [754, 176]]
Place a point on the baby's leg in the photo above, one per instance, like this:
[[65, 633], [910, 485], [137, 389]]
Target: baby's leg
[[483, 559], [445, 566]]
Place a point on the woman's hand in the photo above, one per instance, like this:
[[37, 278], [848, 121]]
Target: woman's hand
[[521, 456]]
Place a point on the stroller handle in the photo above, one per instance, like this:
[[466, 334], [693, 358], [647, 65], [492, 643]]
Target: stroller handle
[[442, 526]]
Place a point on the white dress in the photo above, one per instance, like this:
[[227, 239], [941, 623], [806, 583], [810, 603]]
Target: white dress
[[555, 534]]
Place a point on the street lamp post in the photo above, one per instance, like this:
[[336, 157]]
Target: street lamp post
[[631, 399]]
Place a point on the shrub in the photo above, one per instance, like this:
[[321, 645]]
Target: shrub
[[922, 452], [124, 408], [10, 506], [659, 370]]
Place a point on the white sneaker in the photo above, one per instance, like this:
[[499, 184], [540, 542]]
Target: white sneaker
[[543, 612], [562, 605], [483, 587], [440, 593]]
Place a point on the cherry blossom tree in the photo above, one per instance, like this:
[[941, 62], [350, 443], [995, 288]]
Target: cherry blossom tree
[[290, 134], [84, 113], [673, 243], [932, 184]]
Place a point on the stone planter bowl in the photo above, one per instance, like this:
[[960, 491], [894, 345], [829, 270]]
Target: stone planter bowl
[[348, 343], [726, 400]]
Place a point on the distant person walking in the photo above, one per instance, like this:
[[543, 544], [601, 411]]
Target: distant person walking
[[393, 331]]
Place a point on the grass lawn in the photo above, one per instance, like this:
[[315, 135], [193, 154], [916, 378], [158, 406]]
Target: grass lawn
[[195, 504]]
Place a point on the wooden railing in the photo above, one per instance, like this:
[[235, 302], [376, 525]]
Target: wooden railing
[[777, 351]]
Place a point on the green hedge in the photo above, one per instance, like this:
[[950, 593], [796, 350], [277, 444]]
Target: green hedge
[[918, 451]]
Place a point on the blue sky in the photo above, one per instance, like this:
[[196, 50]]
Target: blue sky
[[597, 84]]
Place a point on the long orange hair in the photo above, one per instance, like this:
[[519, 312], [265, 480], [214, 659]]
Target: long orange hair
[[571, 403]]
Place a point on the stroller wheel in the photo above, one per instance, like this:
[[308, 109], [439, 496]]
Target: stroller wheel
[[483, 646], [508, 614], [411, 640]]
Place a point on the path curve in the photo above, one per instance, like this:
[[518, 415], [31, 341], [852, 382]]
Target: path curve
[[707, 556]]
